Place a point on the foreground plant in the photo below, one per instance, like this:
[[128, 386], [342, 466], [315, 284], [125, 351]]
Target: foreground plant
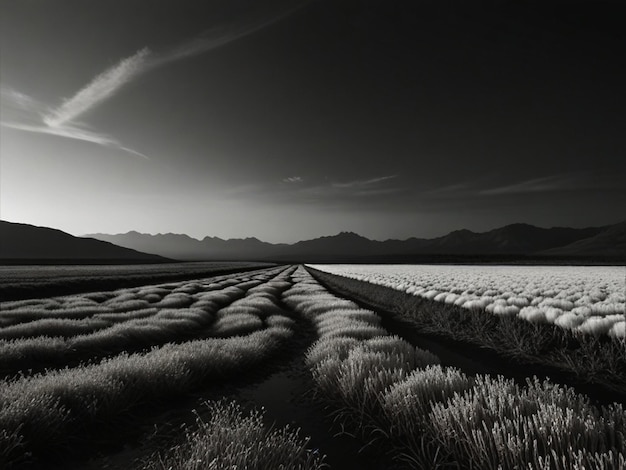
[[232, 439]]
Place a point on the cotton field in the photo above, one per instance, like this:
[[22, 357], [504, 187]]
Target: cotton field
[[585, 299]]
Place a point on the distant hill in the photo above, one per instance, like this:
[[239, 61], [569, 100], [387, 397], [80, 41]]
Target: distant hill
[[508, 242], [608, 243], [184, 247], [510, 239], [28, 243]]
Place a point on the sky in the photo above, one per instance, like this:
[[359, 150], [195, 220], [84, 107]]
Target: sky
[[287, 120]]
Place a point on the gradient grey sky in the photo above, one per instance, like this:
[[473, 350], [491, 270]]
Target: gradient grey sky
[[288, 121]]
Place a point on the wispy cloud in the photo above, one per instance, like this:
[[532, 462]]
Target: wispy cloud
[[536, 185], [98, 90], [61, 120], [363, 193], [361, 183], [76, 133], [350, 192], [293, 179]]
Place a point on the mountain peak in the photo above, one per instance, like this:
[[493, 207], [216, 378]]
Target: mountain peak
[[350, 235]]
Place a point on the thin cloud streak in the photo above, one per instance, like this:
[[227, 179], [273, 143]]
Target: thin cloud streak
[[109, 82], [61, 121], [98, 90], [29, 111], [360, 183], [75, 133], [219, 36], [535, 185], [293, 179]]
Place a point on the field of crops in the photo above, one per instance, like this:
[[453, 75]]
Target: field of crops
[[585, 299], [81, 372], [17, 282]]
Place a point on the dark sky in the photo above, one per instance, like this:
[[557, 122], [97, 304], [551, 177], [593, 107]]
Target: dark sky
[[243, 118]]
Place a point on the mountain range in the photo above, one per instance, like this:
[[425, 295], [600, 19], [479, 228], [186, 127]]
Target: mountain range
[[25, 243], [511, 241]]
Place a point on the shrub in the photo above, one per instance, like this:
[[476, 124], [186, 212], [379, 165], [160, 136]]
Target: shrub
[[497, 424], [230, 439]]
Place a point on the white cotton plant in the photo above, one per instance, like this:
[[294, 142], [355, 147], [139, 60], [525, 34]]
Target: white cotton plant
[[539, 294]]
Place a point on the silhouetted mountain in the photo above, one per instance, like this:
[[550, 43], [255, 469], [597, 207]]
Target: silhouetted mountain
[[27, 243], [184, 247], [516, 240], [608, 243], [343, 244], [510, 239]]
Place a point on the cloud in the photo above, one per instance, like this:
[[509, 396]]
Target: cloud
[[293, 179], [223, 34], [19, 100], [361, 183], [536, 185], [98, 90], [61, 121], [25, 113], [74, 133]]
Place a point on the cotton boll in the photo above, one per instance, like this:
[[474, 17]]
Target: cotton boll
[[583, 300], [596, 326], [561, 304], [505, 310], [533, 315], [461, 300], [536, 301], [569, 321], [618, 330], [518, 301], [475, 304], [607, 309], [451, 298], [597, 295], [441, 297], [552, 313], [582, 311], [431, 294], [618, 297]]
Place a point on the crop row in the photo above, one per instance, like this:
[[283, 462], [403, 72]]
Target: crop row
[[438, 415], [46, 414], [52, 332], [21, 282], [599, 360], [584, 299]]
